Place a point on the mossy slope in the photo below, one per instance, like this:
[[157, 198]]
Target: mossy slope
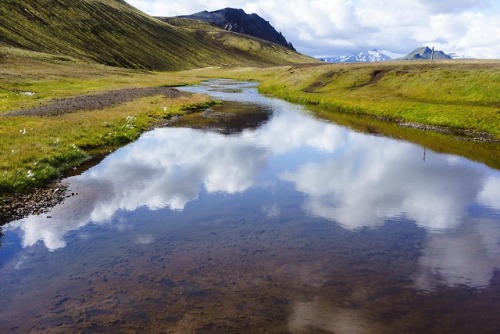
[[114, 33]]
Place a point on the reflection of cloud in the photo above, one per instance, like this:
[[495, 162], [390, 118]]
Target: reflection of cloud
[[283, 134], [490, 194], [271, 210], [354, 179], [314, 316], [468, 256], [370, 183], [166, 168], [144, 239]]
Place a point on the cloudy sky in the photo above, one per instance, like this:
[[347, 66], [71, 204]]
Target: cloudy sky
[[338, 27]]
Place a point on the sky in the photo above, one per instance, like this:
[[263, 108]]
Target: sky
[[339, 27]]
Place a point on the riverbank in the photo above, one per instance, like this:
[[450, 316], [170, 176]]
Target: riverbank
[[457, 97]]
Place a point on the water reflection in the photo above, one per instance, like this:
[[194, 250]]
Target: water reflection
[[358, 181], [468, 256], [322, 316], [167, 168], [373, 180], [296, 201]]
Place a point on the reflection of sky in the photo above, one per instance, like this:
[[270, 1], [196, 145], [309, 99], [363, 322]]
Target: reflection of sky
[[350, 178], [377, 179]]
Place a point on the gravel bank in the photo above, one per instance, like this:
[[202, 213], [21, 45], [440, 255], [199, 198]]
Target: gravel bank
[[95, 101]]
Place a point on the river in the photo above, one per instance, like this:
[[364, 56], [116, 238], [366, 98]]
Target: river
[[261, 218]]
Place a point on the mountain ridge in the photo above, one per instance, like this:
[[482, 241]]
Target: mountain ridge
[[359, 57], [426, 52], [420, 53], [112, 32], [236, 20]]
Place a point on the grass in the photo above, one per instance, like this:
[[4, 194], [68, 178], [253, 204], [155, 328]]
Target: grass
[[461, 96], [111, 32], [34, 150], [37, 149], [48, 76]]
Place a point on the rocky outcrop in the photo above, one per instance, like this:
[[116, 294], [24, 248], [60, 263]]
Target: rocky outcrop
[[237, 20], [426, 53]]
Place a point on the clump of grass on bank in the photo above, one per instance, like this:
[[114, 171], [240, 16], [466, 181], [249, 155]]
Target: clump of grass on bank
[[34, 150]]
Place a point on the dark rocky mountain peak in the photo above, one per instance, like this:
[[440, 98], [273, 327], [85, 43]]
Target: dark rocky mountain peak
[[426, 53], [236, 20]]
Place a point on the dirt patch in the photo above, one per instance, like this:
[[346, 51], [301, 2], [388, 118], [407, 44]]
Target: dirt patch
[[95, 101], [322, 81], [376, 76]]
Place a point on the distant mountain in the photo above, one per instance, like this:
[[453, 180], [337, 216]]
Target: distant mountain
[[426, 53], [455, 55], [237, 20], [360, 57]]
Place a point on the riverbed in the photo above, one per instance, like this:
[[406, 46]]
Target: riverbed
[[256, 217]]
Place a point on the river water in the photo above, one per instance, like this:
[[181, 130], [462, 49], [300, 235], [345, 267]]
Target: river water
[[260, 218]]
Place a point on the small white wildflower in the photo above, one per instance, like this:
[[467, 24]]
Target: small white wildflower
[[23, 131], [30, 174], [129, 122], [165, 108], [28, 93]]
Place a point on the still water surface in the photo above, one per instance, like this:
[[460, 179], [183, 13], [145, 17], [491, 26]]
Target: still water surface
[[268, 221]]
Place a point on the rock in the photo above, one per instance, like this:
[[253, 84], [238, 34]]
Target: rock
[[37, 201]]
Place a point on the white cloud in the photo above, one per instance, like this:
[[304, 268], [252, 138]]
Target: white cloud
[[326, 27]]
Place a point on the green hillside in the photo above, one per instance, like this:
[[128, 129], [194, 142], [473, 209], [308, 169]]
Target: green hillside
[[114, 33]]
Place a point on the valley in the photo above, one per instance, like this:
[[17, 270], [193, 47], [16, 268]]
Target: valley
[[197, 174]]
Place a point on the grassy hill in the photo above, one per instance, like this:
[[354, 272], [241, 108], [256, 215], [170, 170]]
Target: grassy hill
[[114, 33]]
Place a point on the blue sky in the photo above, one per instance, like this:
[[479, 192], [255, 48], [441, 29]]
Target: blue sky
[[338, 27]]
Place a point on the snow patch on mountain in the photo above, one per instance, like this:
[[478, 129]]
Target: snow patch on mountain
[[455, 55], [362, 57]]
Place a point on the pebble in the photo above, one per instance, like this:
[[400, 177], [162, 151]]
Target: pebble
[[37, 201]]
